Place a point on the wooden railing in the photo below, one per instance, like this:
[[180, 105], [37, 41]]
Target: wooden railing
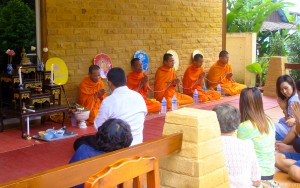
[[77, 173], [292, 66]]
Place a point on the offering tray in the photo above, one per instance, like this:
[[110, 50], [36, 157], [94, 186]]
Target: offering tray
[[67, 134]]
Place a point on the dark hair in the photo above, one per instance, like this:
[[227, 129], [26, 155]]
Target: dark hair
[[166, 56], [113, 134], [228, 117], [298, 85], [92, 68], [280, 80], [117, 76], [197, 57], [133, 61], [251, 108], [223, 53]]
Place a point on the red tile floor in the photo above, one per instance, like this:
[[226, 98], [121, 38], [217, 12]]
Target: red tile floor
[[20, 157]]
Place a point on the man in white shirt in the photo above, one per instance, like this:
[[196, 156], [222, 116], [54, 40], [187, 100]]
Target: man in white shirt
[[124, 104]]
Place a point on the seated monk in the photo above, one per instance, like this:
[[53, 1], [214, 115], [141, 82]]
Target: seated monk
[[165, 83], [221, 73], [137, 80], [91, 93], [193, 79]]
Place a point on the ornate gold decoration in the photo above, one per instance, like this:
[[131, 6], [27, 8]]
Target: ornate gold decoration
[[47, 77], [41, 100], [23, 95], [33, 85], [6, 79], [56, 93], [16, 80], [47, 91], [27, 70]]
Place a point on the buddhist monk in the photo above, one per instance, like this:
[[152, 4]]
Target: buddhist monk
[[193, 79], [91, 92], [138, 81], [221, 73], [165, 83]]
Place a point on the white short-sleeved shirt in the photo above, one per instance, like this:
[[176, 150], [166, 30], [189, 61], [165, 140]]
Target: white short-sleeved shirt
[[127, 105], [241, 162]]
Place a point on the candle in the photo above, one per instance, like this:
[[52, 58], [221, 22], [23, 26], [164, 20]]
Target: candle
[[28, 131], [20, 75], [52, 76]]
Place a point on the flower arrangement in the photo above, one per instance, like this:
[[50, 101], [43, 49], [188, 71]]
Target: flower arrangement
[[10, 53], [45, 50]]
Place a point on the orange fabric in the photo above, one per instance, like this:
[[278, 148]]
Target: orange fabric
[[164, 75], [189, 80], [87, 91], [217, 74], [133, 82]]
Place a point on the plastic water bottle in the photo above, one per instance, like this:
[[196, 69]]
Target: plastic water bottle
[[195, 96], [163, 109], [174, 103], [73, 120], [219, 89]]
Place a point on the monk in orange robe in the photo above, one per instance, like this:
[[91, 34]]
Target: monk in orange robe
[[193, 79], [165, 82], [221, 73], [91, 93], [138, 81]]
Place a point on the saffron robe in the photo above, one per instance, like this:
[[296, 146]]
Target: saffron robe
[[133, 82], [191, 82], [162, 88], [217, 74], [86, 98]]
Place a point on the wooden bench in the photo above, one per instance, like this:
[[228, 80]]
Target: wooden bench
[[77, 173]]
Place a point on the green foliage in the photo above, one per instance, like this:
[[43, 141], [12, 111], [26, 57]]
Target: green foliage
[[293, 46], [264, 63], [17, 26], [277, 46], [249, 15], [254, 68], [260, 69]]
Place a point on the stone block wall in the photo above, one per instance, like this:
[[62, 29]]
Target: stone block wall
[[78, 30], [276, 69], [200, 163]]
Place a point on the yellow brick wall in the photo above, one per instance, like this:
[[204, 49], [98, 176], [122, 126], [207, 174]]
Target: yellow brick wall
[[78, 30]]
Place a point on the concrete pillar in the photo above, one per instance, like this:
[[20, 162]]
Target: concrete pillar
[[200, 163], [276, 69]]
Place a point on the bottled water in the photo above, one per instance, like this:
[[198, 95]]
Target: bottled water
[[73, 120], [174, 103], [163, 106], [219, 89], [195, 96]]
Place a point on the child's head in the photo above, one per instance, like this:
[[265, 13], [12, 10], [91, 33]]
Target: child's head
[[228, 117], [285, 87]]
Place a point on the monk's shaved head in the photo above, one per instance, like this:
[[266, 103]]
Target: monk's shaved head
[[224, 57], [167, 56], [133, 60], [223, 53], [92, 68], [197, 57]]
